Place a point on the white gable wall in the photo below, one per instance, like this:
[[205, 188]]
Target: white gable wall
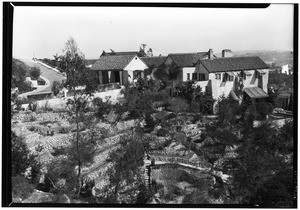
[[136, 64]]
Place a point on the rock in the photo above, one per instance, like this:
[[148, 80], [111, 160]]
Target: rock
[[194, 158], [45, 197], [40, 197], [179, 147], [183, 185]]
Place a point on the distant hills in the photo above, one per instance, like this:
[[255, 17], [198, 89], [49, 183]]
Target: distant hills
[[276, 58]]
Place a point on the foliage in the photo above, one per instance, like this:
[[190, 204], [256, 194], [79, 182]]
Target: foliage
[[101, 108], [227, 109], [178, 105], [188, 91], [21, 158], [216, 139], [33, 106], [140, 100], [21, 187], [19, 70], [206, 103], [196, 197], [144, 195], [150, 123], [257, 161], [161, 75], [127, 160], [24, 86], [72, 63], [81, 150], [278, 191], [170, 176], [262, 109], [56, 87], [61, 176], [197, 100], [283, 81], [34, 73]]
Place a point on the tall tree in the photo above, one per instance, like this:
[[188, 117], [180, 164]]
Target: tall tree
[[127, 160], [81, 150]]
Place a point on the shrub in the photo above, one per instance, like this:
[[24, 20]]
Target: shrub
[[34, 73], [144, 194], [178, 105], [32, 118], [162, 132], [150, 123], [64, 130], [56, 87], [24, 86], [197, 117], [33, 106], [21, 187], [58, 151]]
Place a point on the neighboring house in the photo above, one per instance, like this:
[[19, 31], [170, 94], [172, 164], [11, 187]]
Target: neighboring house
[[285, 69], [119, 67], [222, 76], [34, 83], [183, 65], [154, 62]]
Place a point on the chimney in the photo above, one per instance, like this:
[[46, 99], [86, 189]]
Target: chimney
[[226, 53], [210, 54]]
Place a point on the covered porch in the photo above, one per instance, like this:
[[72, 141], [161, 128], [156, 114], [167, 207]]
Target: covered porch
[[111, 76]]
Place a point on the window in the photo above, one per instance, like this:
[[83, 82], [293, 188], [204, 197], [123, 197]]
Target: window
[[225, 76], [201, 77], [188, 76], [218, 76], [194, 76], [230, 78]]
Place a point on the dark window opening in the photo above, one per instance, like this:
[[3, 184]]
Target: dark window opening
[[194, 76], [201, 77]]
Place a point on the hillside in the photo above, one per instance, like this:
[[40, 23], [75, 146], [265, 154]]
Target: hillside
[[279, 58], [276, 58]]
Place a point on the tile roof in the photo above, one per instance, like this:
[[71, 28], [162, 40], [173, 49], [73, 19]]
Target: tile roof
[[256, 92], [139, 53], [234, 64], [120, 53], [154, 61], [187, 59], [112, 62]]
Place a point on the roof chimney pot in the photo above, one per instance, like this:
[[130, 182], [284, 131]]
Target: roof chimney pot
[[210, 54], [226, 53]]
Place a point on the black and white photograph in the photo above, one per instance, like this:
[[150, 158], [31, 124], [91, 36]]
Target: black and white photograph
[[136, 104]]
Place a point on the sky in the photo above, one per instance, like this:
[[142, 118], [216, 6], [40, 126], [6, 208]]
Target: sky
[[43, 31]]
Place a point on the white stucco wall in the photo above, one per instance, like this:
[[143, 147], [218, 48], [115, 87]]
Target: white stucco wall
[[285, 69], [251, 81], [136, 64], [218, 88], [198, 69]]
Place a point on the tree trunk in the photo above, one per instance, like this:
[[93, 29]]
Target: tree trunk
[[77, 147]]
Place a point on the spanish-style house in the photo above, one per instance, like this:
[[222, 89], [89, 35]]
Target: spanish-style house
[[184, 65], [222, 76], [119, 67], [153, 63]]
